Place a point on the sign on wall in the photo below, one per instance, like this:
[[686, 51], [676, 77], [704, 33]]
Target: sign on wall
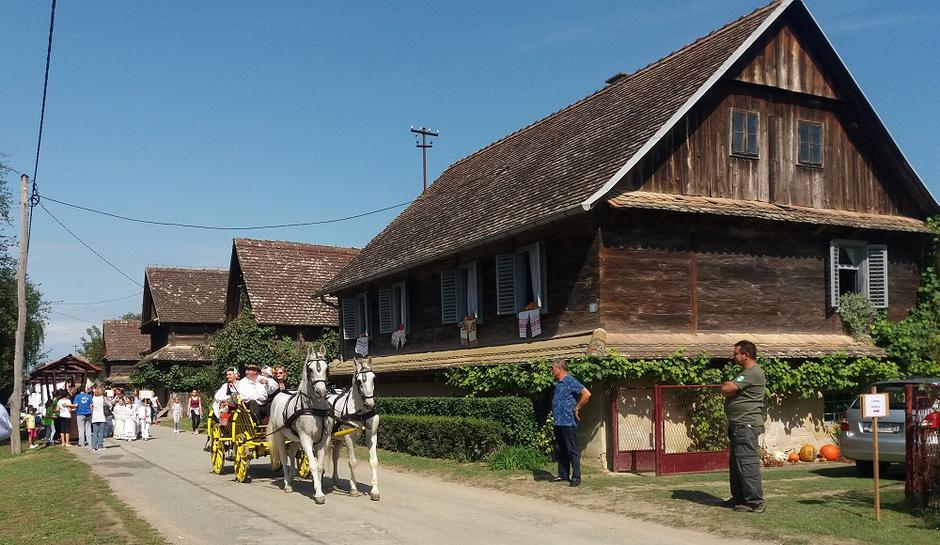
[[874, 405]]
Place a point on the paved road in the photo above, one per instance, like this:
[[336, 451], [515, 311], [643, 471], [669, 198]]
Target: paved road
[[167, 480]]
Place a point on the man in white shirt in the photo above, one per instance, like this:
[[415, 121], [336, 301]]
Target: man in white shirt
[[224, 394], [255, 390]]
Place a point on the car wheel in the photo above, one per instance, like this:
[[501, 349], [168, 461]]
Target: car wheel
[[866, 468]]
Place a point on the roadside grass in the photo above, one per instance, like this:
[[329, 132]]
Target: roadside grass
[[50, 496], [806, 503]]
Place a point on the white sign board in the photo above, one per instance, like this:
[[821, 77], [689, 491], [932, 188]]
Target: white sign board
[[146, 394], [874, 405], [109, 393]]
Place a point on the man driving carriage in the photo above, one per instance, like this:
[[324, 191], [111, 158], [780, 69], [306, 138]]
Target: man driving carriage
[[255, 391]]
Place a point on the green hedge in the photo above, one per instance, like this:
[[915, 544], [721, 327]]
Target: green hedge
[[515, 414], [458, 438]]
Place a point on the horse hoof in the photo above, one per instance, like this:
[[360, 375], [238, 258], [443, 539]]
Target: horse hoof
[[354, 493], [374, 496], [320, 500], [288, 489]]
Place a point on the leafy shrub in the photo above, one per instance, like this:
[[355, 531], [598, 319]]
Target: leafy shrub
[[517, 458], [545, 443], [858, 315], [515, 414], [454, 437]]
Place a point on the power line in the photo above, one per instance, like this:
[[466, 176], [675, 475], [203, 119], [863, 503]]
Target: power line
[[70, 317], [99, 302], [220, 227], [34, 197], [101, 257]]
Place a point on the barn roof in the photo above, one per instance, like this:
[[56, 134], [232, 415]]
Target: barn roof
[[569, 161], [123, 340], [185, 296], [282, 277]]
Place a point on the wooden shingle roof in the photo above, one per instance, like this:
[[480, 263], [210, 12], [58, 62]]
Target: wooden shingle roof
[[123, 340], [550, 168], [188, 296], [765, 210], [281, 279]]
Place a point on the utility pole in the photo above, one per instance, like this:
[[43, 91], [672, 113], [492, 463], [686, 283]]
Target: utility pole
[[18, 355], [424, 144]]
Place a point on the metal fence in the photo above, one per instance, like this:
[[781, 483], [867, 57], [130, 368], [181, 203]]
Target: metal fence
[[922, 423]]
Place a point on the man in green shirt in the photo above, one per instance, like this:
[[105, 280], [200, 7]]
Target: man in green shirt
[[744, 408]]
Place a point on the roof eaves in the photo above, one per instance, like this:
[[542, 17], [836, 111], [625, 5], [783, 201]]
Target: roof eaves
[[692, 101]]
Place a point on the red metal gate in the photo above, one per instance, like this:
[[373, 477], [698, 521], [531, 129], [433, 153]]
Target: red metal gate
[[922, 453], [669, 429]]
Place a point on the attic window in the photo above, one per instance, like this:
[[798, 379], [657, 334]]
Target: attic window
[[811, 135], [744, 127]]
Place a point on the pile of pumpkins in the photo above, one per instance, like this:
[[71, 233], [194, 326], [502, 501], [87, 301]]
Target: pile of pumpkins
[[807, 453]]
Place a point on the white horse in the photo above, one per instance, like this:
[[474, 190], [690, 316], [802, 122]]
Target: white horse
[[303, 418], [358, 406]]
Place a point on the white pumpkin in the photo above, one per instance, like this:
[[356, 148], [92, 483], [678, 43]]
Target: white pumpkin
[[779, 456]]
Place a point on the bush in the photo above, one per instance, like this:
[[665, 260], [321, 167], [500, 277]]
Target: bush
[[454, 437], [517, 458], [515, 414], [858, 315]]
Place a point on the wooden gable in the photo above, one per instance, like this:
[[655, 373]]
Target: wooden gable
[[784, 86], [786, 64]]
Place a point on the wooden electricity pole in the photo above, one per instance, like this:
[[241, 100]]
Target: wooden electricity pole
[[18, 355]]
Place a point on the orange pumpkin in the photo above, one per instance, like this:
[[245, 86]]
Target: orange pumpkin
[[794, 457], [829, 452], [808, 453]]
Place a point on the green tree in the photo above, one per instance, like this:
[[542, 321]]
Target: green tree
[[130, 316], [93, 345]]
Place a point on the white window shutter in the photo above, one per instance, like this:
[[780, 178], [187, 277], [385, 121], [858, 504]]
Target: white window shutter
[[506, 284], [877, 277], [349, 317], [449, 297], [834, 274], [385, 311]]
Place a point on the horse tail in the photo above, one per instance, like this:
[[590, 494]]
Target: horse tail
[[275, 459]]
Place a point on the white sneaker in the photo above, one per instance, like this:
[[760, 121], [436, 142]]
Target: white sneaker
[[34, 446]]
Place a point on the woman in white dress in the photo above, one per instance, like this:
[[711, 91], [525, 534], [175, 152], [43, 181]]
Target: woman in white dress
[[130, 420]]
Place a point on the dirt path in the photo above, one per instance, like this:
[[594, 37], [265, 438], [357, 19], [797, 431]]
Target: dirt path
[[168, 482]]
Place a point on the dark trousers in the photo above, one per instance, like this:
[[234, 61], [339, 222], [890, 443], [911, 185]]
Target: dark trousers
[[194, 416], [569, 455], [744, 464], [258, 410]]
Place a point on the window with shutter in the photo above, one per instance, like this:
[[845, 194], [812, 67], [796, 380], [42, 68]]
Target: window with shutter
[[399, 307], [385, 311], [363, 315], [449, 297], [877, 275], [506, 284], [856, 267], [348, 309]]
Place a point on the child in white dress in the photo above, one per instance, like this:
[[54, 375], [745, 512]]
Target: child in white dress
[[144, 416], [130, 420], [118, 418], [177, 408]]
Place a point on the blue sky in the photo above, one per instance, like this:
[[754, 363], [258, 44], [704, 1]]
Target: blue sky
[[255, 113]]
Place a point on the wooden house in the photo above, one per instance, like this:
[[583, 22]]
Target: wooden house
[[277, 280], [124, 345], [182, 308], [733, 189]]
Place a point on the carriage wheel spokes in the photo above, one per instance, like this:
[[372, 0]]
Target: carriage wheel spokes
[[241, 459], [217, 451], [303, 464]]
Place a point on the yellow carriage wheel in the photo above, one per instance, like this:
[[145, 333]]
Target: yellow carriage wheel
[[218, 456], [303, 465], [241, 464]]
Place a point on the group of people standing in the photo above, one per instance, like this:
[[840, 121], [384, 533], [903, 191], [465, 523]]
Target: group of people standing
[[98, 413]]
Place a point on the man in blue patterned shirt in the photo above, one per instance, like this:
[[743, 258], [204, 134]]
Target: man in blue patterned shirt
[[570, 396]]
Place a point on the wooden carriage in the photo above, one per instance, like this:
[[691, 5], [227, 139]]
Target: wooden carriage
[[234, 435]]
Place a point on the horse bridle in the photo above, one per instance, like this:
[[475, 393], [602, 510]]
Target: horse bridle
[[358, 384]]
